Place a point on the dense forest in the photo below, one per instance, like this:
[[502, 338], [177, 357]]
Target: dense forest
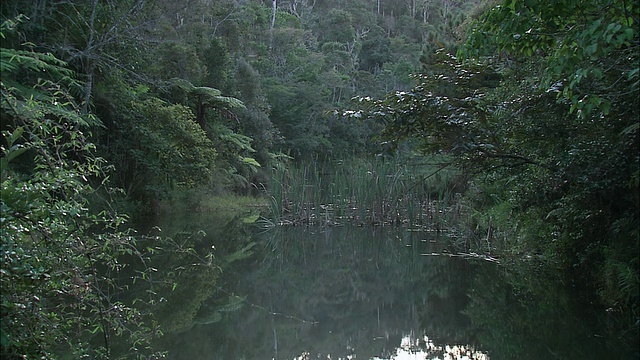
[[116, 109]]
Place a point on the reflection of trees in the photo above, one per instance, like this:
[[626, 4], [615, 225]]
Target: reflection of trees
[[523, 313], [441, 315], [358, 289], [185, 287], [345, 290]]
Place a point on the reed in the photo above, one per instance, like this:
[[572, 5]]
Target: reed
[[363, 191]]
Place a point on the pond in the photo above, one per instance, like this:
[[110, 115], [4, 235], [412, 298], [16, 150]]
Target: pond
[[358, 292]]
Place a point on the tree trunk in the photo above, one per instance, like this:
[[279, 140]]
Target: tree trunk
[[200, 109], [274, 8], [89, 63]]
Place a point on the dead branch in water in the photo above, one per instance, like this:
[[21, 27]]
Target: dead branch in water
[[466, 256]]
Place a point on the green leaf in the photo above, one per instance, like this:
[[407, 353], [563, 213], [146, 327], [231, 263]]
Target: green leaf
[[206, 91], [243, 253], [96, 328], [15, 135], [250, 161], [251, 219], [14, 152]]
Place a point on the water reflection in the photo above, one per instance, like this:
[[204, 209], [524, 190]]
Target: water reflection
[[424, 348], [369, 293]]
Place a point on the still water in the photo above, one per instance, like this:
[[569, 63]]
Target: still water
[[247, 291]]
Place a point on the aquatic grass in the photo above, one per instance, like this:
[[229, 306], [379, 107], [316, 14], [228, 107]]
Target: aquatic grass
[[363, 191]]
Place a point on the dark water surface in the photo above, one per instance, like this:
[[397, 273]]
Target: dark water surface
[[348, 292]]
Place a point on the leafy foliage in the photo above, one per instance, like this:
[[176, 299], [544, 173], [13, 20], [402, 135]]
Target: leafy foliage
[[447, 111], [172, 146], [587, 46], [58, 258], [549, 125]]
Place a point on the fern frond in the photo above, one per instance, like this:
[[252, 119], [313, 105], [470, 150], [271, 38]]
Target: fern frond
[[11, 60], [206, 91], [226, 102]]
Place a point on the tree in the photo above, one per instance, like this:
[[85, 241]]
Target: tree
[[172, 146], [587, 46], [444, 116], [208, 98], [338, 27], [59, 258], [90, 36], [545, 108], [217, 63]]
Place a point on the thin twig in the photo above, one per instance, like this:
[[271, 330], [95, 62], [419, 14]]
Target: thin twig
[[270, 312], [466, 256]]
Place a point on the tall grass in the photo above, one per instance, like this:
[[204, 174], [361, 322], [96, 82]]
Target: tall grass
[[364, 191]]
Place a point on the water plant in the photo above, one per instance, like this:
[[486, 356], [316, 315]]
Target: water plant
[[377, 190]]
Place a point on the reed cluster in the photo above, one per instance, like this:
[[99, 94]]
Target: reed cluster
[[365, 191]]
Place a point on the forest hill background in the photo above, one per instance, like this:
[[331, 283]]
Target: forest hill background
[[151, 69], [174, 101]]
